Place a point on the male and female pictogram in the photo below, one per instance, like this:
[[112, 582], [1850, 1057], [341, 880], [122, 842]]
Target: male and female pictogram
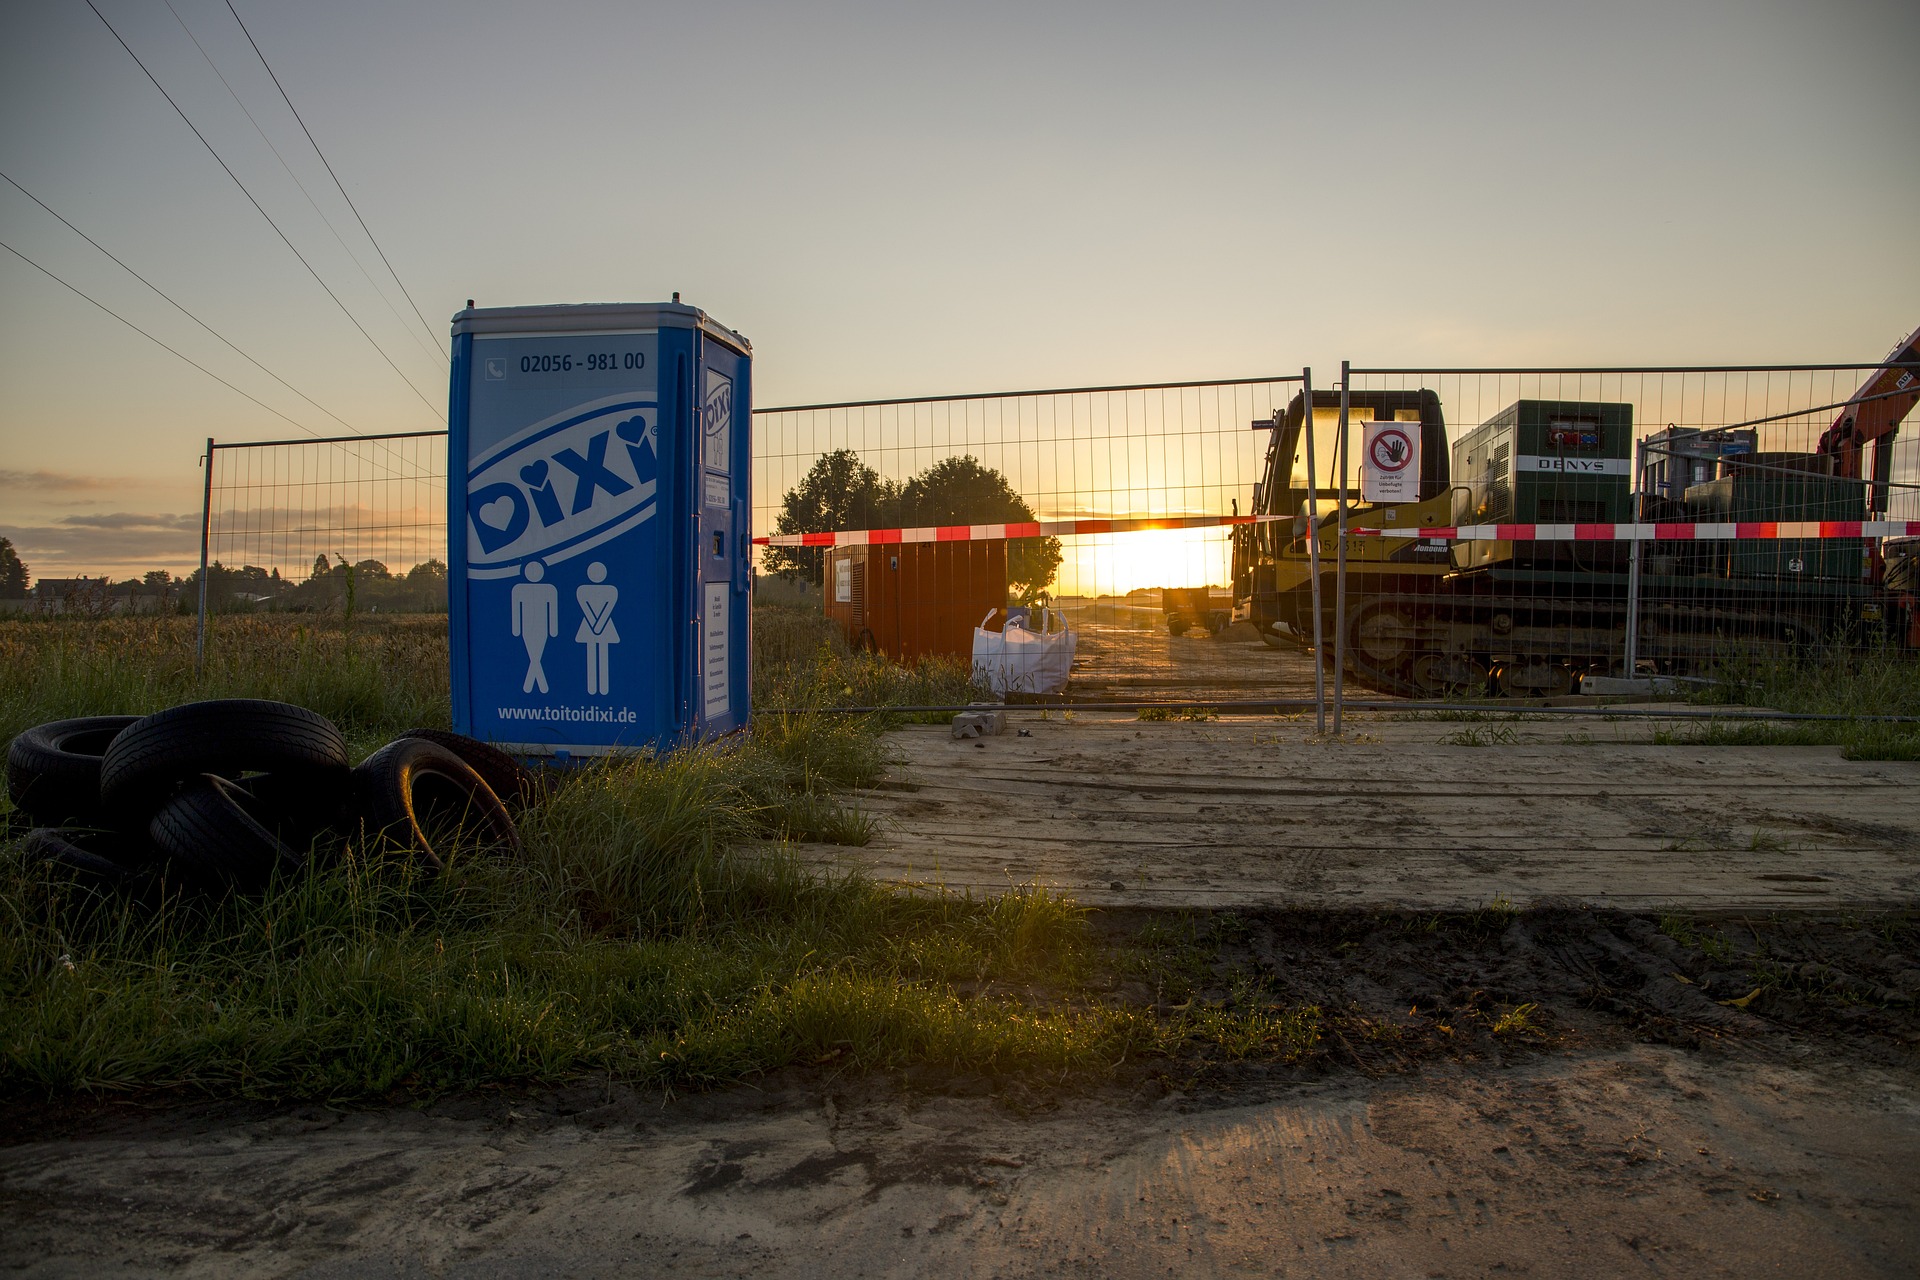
[[536, 619]]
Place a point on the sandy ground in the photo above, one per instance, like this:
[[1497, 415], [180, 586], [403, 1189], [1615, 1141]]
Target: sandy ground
[[1123, 652], [1639, 1161], [1415, 813]]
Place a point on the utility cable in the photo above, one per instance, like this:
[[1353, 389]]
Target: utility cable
[[311, 202], [262, 211], [149, 337], [336, 178], [183, 311]]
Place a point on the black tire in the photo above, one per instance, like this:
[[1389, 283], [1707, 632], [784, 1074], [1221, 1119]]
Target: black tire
[[53, 770], [425, 798], [104, 857], [515, 784], [228, 737], [300, 812], [214, 833]]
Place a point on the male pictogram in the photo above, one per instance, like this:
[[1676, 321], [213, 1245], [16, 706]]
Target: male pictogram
[[536, 616]]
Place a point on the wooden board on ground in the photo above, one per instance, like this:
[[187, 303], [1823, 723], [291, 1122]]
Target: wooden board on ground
[[1404, 813]]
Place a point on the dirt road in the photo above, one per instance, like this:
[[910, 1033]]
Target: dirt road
[[1123, 652], [1643, 1160], [1561, 1093]]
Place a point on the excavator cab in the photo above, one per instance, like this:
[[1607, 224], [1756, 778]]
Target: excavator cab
[[1272, 561]]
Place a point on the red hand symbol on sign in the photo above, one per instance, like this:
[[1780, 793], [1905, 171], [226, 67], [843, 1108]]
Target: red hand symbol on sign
[[1390, 450]]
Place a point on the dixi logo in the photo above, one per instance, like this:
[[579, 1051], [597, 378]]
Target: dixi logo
[[719, 403], [562, 486], [717, 412]]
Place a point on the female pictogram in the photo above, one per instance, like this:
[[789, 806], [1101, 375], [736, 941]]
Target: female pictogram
[[597, 597]]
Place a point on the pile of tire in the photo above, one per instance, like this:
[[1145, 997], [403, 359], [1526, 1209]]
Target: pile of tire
[[226, 794]]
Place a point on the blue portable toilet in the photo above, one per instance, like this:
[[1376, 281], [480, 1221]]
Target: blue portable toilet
[[597, 541]]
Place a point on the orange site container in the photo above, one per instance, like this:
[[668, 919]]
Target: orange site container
[[912, 599]]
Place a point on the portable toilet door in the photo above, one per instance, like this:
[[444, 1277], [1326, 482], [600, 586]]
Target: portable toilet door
[[598, 527], [724, 580]]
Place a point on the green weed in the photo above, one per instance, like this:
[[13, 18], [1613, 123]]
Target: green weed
[[1201, 714], [658, 929], [1876, 683], [1481, 736], [1517, 1021]]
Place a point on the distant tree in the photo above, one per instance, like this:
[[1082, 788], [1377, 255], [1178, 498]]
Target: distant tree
[[426, 586], [429, 573], [13, 572], [157, 580], [371, 570], [320, 566], [220, 587], [962, 491], [838, 492]]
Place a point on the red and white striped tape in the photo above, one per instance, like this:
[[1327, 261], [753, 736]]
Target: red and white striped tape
[[995, 532], [1688, 532], [1685, 532]]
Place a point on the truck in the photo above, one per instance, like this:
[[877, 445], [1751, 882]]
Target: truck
[[1198, 609]]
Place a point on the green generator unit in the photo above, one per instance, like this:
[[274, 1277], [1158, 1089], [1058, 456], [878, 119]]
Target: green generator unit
[[1781, 488], [1544, 462]]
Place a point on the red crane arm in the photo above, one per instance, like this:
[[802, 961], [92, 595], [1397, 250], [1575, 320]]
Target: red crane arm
[[1875, 411]]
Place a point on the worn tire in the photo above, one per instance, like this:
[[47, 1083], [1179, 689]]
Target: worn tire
[[101, 856], [53, 770], [301, 812], [411, 787], [228, 737], [214, 834], [515, 784]]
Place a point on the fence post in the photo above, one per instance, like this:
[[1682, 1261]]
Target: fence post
[[206, 533], [1340, 568], [1633, 592], [1313, 552]]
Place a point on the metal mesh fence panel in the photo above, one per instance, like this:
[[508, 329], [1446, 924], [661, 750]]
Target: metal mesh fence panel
[[1678, 526], [292, 524], [1673, 525], [931, 487]]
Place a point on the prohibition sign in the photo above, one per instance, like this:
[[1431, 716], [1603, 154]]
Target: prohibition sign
[[1390, 450]]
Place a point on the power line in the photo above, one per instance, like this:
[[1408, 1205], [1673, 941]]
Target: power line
[[262, 211], [311, 202], [183, 311], [336, 178], [149, 337]]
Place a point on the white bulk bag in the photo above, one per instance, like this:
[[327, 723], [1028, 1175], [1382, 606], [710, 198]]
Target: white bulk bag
[[1016, 660]]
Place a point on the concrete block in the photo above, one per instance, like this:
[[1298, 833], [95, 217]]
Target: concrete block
[[979, 724]]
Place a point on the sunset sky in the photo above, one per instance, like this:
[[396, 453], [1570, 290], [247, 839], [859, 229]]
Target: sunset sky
[[896, 200]]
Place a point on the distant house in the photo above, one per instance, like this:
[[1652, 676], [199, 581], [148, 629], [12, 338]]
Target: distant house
[[56, 593]]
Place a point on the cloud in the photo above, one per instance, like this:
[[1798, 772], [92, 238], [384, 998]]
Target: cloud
[[131, 521], [127, 543], [121, 543], [60, 481]]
